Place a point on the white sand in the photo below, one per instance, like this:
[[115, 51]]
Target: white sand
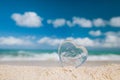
[[107, 72]]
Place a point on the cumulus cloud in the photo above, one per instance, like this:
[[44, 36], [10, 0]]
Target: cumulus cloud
[[50, 41], [55, 42], [82, 22], [99, 22], [57, 22], [86, 23], [110, 41], [28, 19], [112, 33], [82, 41], [95, 33], [115, 21], [31, 19], [70, 24], [14, 41]]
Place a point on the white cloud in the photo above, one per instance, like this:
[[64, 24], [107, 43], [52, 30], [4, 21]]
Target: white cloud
[[55, 42], [115, 21], [57, 22], [110, 41], [14, 41], [28, 19], [82, 22], [95, 33], [82, 41], [99, 22], [50, 41], [70, 24], [112, 33], [86, 23]]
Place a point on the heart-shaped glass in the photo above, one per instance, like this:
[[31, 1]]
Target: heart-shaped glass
[[72, 54]]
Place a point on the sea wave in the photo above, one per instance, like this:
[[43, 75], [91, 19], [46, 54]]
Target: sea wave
[[27, 55], [110, 57]]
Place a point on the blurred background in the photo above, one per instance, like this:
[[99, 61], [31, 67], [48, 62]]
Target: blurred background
[[33, 29]]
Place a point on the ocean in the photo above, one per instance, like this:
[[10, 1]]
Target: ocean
[[21, 54]]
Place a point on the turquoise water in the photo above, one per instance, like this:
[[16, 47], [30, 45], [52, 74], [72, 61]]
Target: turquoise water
[[20, 54]]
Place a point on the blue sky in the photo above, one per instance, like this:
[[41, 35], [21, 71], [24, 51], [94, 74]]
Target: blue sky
[[45, 23]]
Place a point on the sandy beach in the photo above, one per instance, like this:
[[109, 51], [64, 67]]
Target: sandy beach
[[51, 70], [53, 63]]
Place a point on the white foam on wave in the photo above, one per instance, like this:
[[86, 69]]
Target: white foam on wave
[[110, 57], [39, 57], [54, 56]]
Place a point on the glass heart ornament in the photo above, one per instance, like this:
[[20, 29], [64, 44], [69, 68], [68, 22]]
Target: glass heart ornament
[[72, 54]]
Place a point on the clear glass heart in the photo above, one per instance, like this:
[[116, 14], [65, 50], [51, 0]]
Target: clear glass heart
[[72, 54]]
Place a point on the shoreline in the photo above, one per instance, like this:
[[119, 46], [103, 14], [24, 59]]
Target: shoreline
[[52, 63]]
